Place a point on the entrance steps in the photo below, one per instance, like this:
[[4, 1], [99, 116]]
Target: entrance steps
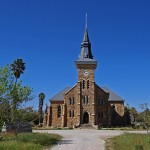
[[86, 126]]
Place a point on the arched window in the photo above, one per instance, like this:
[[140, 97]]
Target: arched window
[[88, 84], [87, 99], [70, 101], [83, 84], [70, 114], [59, 111]]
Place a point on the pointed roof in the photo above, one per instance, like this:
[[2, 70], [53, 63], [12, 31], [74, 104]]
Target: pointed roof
[[86, 36], [86, 47], [86, 52]]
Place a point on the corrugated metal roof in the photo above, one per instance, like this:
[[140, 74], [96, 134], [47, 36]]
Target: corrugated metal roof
[[60, 96], [112, 96]]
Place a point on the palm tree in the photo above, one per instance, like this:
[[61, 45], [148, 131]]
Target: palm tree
[[18, 68], [41, 98]]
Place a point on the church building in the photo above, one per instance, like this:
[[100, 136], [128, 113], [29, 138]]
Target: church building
[[85, 103]]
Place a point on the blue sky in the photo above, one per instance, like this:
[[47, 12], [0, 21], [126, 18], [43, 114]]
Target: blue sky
[[47, 35]]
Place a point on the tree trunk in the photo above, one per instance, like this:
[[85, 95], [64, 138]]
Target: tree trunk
[[14, 103]]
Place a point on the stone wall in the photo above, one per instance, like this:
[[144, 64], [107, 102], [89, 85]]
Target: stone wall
[[56, 121], [117, 113], [102, 107], [70, 110]]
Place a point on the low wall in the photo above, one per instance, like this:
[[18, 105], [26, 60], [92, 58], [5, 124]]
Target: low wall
[[17, 127]]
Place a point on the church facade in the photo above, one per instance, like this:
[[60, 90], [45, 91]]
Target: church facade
[[85, 102]]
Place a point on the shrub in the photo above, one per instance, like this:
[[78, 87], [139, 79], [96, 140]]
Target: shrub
[[139, 147]]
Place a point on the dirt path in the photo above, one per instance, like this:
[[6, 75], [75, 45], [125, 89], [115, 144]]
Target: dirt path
[[82, 139]]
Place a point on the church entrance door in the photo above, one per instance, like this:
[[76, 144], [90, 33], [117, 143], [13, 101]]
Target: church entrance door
[[85, 117]]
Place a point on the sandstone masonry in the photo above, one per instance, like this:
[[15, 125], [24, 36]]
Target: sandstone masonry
[[85, 102]]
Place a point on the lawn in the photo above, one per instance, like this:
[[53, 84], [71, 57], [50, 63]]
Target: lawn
[[129, 141], [28, 141]]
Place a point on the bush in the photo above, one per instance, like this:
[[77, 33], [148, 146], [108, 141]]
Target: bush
[[139, 147]]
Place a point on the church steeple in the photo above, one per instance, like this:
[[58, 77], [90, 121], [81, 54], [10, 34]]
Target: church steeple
[[86, 45], [85, 59]]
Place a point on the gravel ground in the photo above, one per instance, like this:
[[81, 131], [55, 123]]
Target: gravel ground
[[82, 139]]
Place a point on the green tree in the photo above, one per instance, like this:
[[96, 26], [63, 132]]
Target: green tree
[[41, 99], [18, 67], [127, 118], [133, 113], [7, 82], [145, 115], [6, 86], [27, 114]]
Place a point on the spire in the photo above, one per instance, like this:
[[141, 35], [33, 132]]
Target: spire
[[86, 37], [86, 45], [86, 21]]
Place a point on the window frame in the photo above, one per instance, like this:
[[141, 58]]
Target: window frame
[[59, 109]]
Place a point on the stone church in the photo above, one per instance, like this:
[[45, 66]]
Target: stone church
[[85, 103]]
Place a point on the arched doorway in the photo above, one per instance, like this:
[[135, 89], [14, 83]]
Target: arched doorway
[[86, 117]]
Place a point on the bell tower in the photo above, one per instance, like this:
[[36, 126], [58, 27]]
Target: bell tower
[[86, 82]]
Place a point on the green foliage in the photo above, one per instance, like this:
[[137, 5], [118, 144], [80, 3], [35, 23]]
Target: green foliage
[[139, 147], [6, 83], [10, 97], [129, 141], [41, 96], [18, 67], [133, 112], [27, 114], [14, 145], [41, 99], [43, 139], [145, 115], [24, 141]]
